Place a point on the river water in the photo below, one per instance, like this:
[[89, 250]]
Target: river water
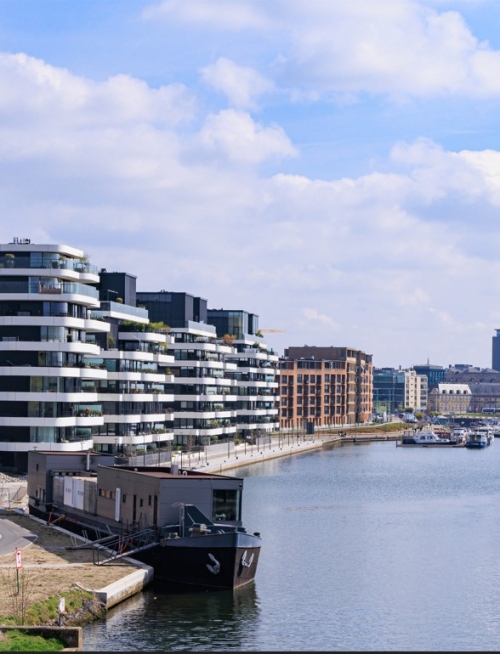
[[365, 547]]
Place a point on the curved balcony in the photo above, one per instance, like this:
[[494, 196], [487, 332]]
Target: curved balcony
[[48, 396], [71, 421], [60, 446]]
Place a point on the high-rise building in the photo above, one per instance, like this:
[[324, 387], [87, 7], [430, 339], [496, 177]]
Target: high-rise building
[[48, 397], [495, 351]]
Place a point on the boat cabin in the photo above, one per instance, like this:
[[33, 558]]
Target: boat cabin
[[90, 488]]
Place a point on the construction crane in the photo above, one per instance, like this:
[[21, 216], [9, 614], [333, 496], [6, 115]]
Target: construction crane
[[272, 331]]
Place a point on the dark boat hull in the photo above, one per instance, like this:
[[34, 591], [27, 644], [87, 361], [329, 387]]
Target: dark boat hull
[[186, 561], [217, 561]]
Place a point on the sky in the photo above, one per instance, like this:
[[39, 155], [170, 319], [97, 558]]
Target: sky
[[332, 166]]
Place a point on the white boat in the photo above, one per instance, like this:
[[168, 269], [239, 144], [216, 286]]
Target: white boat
[[459, 435], [425, 437]]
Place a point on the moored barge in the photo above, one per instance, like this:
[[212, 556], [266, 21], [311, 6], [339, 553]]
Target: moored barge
[[185, 524]]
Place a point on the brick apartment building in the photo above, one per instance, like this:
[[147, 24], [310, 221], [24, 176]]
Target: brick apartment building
[[325, 386]]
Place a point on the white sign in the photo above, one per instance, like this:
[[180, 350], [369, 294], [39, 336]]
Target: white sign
[[62, 605], [19, 562]]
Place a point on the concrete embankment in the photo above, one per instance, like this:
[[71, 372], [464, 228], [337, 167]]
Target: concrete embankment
[[120, 590]]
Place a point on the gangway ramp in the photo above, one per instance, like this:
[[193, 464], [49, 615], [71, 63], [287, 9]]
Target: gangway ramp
[[110, 549]]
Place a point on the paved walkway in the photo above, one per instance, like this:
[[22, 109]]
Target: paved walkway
[[282, 445]]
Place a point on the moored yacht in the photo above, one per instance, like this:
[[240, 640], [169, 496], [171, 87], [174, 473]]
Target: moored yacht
[[424, 437]]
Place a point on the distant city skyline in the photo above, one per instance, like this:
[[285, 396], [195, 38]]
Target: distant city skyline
[[332, 167]]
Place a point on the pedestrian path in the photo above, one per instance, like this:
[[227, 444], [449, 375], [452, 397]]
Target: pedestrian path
[[285, 444], [245, 454]]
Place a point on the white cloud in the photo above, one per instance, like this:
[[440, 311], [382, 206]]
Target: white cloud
[[109, 168], [33, 89], [218, 14], [313, 315], [240, 139], [241, 85], [403, 48]]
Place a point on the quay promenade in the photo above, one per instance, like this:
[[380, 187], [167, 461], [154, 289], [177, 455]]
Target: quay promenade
[[283, 444]]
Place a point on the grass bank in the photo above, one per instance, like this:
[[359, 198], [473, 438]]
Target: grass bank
[[18, 641]]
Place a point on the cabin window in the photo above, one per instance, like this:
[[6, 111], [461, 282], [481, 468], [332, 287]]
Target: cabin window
[[226, 505], [103, 492]]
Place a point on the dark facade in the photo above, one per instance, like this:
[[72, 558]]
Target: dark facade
[[233, 322], [174, 309], [435, 374], [117, 286], [388, 390], [495, 358]]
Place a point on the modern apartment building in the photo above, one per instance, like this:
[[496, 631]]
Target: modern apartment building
[[136, 396], [48, 387], [225, 379], [83, 367], [416, 391], [325, 386], [257, 371]]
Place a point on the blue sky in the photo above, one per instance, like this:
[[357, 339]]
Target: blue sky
[[332, 166]]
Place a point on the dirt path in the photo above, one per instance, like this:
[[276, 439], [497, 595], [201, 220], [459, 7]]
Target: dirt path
[[49, 567]]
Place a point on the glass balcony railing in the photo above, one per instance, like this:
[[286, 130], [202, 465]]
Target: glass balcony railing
[[128, 309], [54, 287], [54, 262]]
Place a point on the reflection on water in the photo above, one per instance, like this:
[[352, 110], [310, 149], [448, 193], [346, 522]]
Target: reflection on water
[[158, 620]]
